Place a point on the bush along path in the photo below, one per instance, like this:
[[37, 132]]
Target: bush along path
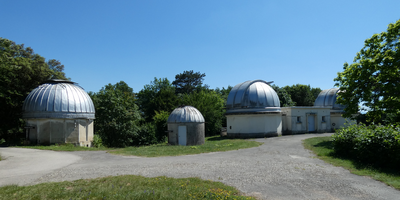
[[376, 145]]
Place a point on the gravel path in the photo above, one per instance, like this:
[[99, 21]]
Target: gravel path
[[279, 169]]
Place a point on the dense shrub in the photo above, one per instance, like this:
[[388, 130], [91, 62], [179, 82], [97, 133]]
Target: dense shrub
[[211, 106], [374, 144], [146, 135], [97, 141], [118, 121], [160, 121]]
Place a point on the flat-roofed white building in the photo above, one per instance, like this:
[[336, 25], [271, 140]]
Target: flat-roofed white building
[[253, 110]]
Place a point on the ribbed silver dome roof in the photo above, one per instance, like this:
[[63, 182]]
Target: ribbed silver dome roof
[[185, 114], [252, 96], [327, 98], [58, 99]]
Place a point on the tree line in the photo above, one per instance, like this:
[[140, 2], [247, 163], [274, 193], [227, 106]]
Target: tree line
[[127, 118], [123, 117]]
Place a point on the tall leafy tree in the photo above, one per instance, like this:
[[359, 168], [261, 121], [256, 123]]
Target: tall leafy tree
[[211, 106], [188, 82], [117, 116], [21, 70], [373, 77], [224, 93], [284, 96], [302, 95], [157, 96]]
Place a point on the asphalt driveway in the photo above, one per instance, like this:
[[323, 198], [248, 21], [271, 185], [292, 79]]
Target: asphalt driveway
[[279, 169]]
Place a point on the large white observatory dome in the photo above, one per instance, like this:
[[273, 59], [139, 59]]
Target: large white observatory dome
[[58, 99], [252, 96]]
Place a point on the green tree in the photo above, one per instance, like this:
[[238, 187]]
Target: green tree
[[117, 116], [211, 106], [160, 121], [373, 77], [157, 96], [284, 96], [188, 82], [21, 70], [302, 95], [224, 93]]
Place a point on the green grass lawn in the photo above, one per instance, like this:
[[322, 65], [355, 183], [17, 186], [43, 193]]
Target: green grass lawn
[[212, 144], [125, 187], [323, 148]]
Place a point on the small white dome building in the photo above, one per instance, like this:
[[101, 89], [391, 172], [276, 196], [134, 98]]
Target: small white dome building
[[253, 110], [59, 111], [186, 127]]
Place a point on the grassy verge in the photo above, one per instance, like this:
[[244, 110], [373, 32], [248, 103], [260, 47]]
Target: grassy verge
[[212, 144], [125, 187], [66, 147], [323, 148]]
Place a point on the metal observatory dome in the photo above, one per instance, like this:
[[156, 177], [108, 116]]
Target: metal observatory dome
[[59, 111], [252, 96], [58, 99], [186, 114], [186, 126], [253, 110], [327, 98]]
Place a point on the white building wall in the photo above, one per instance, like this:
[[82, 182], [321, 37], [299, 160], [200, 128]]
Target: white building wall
[[51, 131], [338, 121], [254, 125], [297, 119]]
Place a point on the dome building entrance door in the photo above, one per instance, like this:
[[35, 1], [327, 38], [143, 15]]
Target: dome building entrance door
[[182, 135]]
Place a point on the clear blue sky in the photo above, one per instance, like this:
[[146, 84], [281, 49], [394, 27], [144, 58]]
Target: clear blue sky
[[287, 42]]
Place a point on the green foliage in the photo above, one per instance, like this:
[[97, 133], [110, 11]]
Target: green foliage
[[160, 120], [375, 144], [302, 95], [159, 95], [211, 106], [324, 149], [97, 141], [373, 77], [125, 187], [284, 96], [21, 70], [188, 82], [147, 135], [224, 93], [117, 116]]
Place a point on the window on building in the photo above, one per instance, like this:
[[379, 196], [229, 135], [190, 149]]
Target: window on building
[[298, 119], [323, 118]]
